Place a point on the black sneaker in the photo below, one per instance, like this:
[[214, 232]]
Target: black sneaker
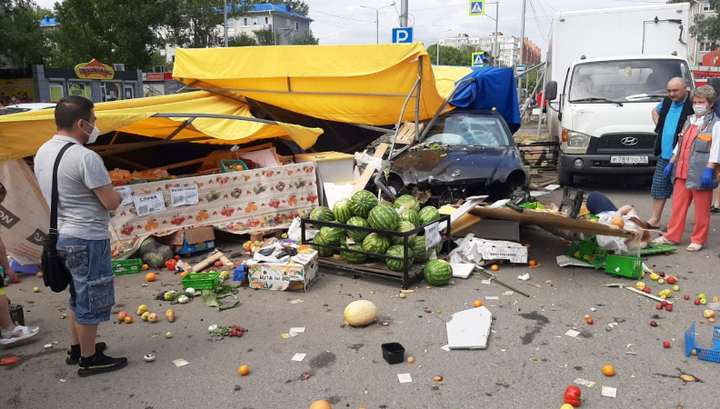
[[73, 354], [100, 363], [714, 210]]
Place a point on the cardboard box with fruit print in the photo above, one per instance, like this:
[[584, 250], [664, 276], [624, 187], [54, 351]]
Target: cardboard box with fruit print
[[299, 274]]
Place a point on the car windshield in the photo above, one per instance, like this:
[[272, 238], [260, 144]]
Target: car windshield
[[11, 110], [468, 129], [623, 81]]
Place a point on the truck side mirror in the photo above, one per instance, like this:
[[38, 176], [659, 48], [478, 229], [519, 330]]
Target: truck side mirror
[[551, 90]]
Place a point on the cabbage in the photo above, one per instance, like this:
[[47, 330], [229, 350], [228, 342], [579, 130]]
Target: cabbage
[[147, 246]]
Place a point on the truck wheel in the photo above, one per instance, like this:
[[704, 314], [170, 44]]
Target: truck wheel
[[565, 178]]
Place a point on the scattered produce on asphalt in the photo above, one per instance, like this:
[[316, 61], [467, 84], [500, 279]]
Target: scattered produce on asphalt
[[243, 370], [361, 313], [437, 378], [608, 370], [168, 335], [121, 316], [666, 344], [572, 396]]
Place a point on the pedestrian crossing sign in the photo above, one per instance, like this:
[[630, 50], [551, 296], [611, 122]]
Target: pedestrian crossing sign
[[478, 59], [477, 8]]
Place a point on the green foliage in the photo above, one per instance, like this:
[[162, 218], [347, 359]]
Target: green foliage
[[22, 41], [706, 27], [267, 37], [450, 56], [194, 23], [306, 38], [243, 40]]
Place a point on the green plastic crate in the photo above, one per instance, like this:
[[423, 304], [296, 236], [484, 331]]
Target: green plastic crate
[[201, 281], [229, 165], [625, 266], [590, 252], [129, 266]]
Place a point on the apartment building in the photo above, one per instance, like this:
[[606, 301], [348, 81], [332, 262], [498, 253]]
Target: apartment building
[[508, 45]]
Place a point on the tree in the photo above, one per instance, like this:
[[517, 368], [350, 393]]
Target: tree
[[267, 36], [195, 23], [450, 56], [306, 38], [22, 41], [243, 40], [123, 31], [707, 27]]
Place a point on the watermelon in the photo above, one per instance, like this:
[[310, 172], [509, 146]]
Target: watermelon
[[354, 258], [383, 217], [397, 250], [438, 272], [411, 216], [417, 245], [333, 235], [322, 251], [407, 202], [322, 214], [357, 235], [428, 214], [375, 243], [403, 226], [342, 210], [362, 202]]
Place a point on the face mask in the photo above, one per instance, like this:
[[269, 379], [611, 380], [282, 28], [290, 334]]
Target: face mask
[[700, 109], [92, 136]]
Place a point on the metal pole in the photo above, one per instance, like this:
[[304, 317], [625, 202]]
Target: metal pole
[[522, 46], [542, 102], [404, 13], [497, 46], [437, 49], [377, 26], [225, 22]]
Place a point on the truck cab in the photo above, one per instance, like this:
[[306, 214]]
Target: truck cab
[[602, 113]]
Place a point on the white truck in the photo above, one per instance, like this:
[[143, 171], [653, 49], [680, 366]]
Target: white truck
[[607, 69]]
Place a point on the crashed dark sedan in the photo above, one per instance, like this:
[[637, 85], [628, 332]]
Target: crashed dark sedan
[[465, 153]]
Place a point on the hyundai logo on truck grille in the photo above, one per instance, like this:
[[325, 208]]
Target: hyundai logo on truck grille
[[629, 141]]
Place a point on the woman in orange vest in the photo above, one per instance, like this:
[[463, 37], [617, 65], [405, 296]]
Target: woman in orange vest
[[694, 165]]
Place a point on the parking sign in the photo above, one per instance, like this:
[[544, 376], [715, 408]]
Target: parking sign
[[402, 35], [477, 8]]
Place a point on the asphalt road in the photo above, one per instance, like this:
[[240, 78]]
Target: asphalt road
[[528, 363]]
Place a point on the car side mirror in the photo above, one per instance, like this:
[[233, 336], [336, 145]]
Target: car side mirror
[[551, 90]]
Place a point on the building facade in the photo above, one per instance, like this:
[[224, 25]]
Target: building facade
[[532, 54], [508, 45], [699, 48], [278, 18]]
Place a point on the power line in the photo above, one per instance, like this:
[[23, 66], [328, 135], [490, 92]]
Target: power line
[[537, 21]]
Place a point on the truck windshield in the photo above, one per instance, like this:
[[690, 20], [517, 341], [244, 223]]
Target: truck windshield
[[624, 80], [468, 129]]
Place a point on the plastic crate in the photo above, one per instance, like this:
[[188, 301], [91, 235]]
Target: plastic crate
[[201, 281], [625, 266], [17, 315], [712, 355], [589, 252], [129, 266], [231, 165]]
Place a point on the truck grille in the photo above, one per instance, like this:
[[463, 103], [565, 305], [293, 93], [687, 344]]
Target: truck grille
[[615, 141]]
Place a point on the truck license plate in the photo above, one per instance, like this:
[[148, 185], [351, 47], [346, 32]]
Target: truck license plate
[[629, 160]]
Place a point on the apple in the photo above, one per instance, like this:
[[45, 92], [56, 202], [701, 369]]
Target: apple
[[701, 296], [590, 321], [709, 314], [697, 302], [653, 324], [666, 344], [168, 335], [129, 319], [669, 308], [36, 289], [659, 307], [661, 281], [647, 290], [152, 317], [676, 288], [687, 297], [664, 303], [703, 301], [122, 315], [661, 274], [671, 280]]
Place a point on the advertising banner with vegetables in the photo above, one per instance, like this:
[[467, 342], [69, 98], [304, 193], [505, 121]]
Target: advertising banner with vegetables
[[235, 202]]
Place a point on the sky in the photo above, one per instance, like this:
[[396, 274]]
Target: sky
[[346, 22]]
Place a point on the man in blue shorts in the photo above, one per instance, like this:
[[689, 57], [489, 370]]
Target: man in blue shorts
[[85, 197], [669, 117]]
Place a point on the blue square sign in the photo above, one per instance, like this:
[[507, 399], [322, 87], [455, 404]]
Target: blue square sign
[[477, 8], [402, 35]]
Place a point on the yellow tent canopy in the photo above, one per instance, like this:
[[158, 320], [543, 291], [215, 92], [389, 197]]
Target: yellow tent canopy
[[192, 117], [359, 84], [446, 76]]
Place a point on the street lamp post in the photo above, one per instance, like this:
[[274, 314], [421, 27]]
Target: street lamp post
[[225, 22], [437, 57], [377, 19], [495, 48]]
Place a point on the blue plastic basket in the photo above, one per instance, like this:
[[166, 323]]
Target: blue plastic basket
[[712, 355]]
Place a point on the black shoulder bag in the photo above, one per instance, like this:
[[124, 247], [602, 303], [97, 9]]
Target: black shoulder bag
[[55, 275]]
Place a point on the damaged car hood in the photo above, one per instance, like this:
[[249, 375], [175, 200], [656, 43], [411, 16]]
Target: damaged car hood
[[449, 164]]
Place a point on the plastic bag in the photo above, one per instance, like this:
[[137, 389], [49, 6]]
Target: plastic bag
[[154, 253], [618, 244]]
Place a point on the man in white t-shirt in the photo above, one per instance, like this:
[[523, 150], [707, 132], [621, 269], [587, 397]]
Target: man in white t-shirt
[[85, 197]]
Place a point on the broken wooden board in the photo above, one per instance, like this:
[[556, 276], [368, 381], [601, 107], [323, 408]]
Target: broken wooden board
[[406, 134], [208, 261], [538, 218], [370, 169]]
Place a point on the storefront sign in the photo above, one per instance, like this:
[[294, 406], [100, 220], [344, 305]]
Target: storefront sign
[[23, 89], [94, 70]]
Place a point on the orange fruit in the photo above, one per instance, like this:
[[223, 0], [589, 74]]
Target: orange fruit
[[145, 267], [608, 370], [532, 263], [477, 303], [320, 404], [150, 277], [244, 370], [129, 319], [528, 245], [565, 241], [619, 223], [411, 360], [183, 274], [494, 267]]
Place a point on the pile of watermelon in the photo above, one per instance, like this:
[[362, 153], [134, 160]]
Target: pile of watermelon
[[364, 210]]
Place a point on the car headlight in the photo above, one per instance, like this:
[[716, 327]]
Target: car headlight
[[578, 140]]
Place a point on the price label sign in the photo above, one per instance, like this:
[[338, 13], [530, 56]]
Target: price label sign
[[126, 194], [148, 204], [432, 236], [183, 196]]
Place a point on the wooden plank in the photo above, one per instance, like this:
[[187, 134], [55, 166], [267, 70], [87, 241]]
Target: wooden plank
[[406, 134], [369, 170], [210, 260]]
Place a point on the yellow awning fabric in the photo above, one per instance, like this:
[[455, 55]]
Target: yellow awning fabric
[[22, 134], [446, 76], [363, 84]]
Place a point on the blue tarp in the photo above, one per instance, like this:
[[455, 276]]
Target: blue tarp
[[492, 88]]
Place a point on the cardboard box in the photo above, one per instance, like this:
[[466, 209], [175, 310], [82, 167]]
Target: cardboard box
[[299, 275], [191, 240], [333, 167], [493, 229], [501, 250]]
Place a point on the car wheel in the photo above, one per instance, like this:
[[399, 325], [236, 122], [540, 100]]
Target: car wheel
[[565, 178]]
